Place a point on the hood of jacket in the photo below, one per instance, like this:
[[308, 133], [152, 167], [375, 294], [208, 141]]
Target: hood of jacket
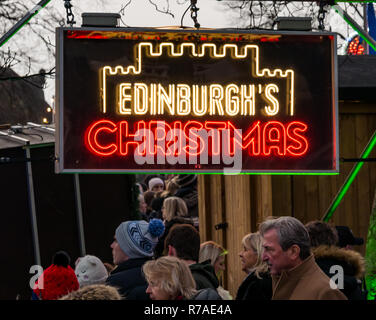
[[206, 294], [352, 261], [176, 220], [206, 270]]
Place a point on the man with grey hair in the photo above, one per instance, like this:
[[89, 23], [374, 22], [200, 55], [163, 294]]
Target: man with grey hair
[[295, 274]]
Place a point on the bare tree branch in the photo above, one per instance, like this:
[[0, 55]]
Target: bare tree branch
[[165, 11]]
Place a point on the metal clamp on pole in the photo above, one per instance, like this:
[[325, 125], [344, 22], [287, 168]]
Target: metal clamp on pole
[[222, 225]]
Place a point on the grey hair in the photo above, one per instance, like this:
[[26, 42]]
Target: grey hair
[[290, 231]]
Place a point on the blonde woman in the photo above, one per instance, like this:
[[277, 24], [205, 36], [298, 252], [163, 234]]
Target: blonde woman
[[174, 207], [258, 284], [174, 211], [215, 253], [169, 278], [171, 187]]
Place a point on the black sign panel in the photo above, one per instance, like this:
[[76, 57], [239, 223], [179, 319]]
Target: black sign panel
[[196, 101]]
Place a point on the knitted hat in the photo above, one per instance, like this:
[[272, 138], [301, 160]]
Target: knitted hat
[[57, 280], [138, 238], [90, 270], [155, 181]]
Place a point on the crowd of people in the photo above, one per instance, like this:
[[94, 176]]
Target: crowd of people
[[161, 257]]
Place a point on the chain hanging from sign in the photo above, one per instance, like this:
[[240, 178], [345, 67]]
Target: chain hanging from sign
[[321, 16], [70, 16], [194, 14]]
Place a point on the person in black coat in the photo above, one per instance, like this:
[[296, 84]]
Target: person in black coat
[[174, 211], [258, 283], [324, 238], [188, 192], [132, 247], [183, 242]]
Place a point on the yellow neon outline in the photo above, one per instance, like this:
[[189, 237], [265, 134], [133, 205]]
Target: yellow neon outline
[[124, 97], [230, 100], [139, 86], [271, 111], [248, 98], [182, 99], [198, 51]]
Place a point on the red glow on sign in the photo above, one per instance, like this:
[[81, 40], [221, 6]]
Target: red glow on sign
[[269, 39], [105, 138]]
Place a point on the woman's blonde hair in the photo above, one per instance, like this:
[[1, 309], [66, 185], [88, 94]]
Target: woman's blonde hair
[[211, 250], [171, 275], [171, 187], [254, 241], [174, 207]]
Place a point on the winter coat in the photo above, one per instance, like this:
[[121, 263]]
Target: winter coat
[[206, 294], [304, 282], [353, 265], [190, 196], [253, 288], [204, 275], [159, 248], [128, 279]]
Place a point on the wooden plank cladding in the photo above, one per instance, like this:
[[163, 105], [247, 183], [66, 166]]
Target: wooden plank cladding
[[243, 201]]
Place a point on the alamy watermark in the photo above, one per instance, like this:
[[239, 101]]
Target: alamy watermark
[[337, 280], [37, 270]]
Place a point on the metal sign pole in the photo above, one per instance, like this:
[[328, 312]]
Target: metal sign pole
[[33, 213], [80, 221], [23, 21]]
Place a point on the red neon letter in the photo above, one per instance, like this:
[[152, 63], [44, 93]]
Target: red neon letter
[[93, 141], [124, 133], [160, 134], [249, 140], [274, 138], [188, 131], [214, 130], [300, 142]]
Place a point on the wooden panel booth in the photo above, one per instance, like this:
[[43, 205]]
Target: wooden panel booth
[[232, 206]]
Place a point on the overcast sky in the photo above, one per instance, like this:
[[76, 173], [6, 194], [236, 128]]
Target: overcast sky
[[139, 13]]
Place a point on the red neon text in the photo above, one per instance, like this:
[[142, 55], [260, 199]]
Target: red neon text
[[193, 138]]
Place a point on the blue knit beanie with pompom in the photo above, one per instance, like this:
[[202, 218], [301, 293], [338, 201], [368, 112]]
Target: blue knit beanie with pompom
[[138, 238]]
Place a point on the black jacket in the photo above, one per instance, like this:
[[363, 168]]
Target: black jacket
[[353, 268], [190, 196], [253, 288], [128, 279], [206, 294], [159, 248], [204, 275]]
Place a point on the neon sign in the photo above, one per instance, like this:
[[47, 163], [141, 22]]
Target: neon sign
[[285, 140], [143, 101]]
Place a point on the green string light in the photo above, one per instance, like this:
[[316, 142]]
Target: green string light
[[20, 24], [350, 179], [355, 26]]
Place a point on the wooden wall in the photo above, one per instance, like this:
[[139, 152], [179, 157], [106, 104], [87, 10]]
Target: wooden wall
[[243, 201]]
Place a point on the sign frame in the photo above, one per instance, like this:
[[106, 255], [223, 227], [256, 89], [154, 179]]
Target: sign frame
[[59, 102]]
